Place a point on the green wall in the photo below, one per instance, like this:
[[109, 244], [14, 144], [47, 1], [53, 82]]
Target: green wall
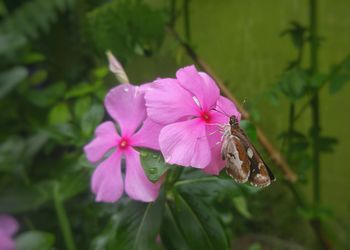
[[240, 40]]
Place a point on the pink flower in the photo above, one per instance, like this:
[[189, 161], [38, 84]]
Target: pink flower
[[8, 227], [191, 108], [126, 105]]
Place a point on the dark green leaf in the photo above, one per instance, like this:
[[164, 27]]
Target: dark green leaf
[[126, 28], [35, 240], [197, 223], [21, 199], [171, 233], [208, 187], [73, 184], [340, 75], [11, 152], [138, 226], [62, 132], [47, 96], [327, 144], [153, 164], [91, 119], [10, 42], [10, 78], [318, 80], [297, 34], [337, 82], [293, 83]]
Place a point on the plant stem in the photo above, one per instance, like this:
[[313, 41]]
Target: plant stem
[[290, 131], [172, 13], [63, 219], [316, 127], [187, 27], [315, 104]]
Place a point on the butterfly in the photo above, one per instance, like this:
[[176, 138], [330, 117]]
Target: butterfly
[[243, 162]]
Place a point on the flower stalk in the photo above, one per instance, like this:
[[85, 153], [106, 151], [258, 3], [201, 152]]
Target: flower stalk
[[315, 103], [63, 219]]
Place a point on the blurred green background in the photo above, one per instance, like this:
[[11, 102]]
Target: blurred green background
[[54, 76]]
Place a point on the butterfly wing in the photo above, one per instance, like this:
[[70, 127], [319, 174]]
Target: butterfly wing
[[237, 162], [260, 173]]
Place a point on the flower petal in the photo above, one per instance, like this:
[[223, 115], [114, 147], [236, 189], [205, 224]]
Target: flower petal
[[137, 185], [126, 105], [185, 143], [6, 242], [215, 141], [107, 182], [106, 138], [227, 107], [200, 85], [148, 135], [167, 101], [219, 117], [8, 225]]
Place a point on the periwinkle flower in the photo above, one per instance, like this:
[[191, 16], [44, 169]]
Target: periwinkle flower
[[191, 109], [126, 105], [8, 227]]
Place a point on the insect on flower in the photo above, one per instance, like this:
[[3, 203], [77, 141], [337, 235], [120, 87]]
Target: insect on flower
[[243, 162]]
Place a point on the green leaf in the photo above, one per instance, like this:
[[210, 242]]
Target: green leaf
[[101, 72], [337, 82], [153, 164], [196, 222], [47, 96], [59, 114], [21, 199], [241, 205], [340, 75], [91, 119], [38, 77], [81, 106], [35, 240], [255, 246], [326, 144], [62, 132], [11, 151], [171, 233], [73, 184], [318, 80], [138, 225], [126, 28], [293, 83], [208, 187], [35, 143], [10, 79], [10, 42], [81, 89], [296, 33], [33, 57]]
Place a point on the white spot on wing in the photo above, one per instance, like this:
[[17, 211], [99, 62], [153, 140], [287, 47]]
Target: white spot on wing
[[250, 152]]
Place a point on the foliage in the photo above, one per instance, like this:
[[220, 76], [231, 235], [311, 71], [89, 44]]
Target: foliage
[[49, 114]]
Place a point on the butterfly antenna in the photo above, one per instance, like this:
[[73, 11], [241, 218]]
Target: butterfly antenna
[[222, 111]]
